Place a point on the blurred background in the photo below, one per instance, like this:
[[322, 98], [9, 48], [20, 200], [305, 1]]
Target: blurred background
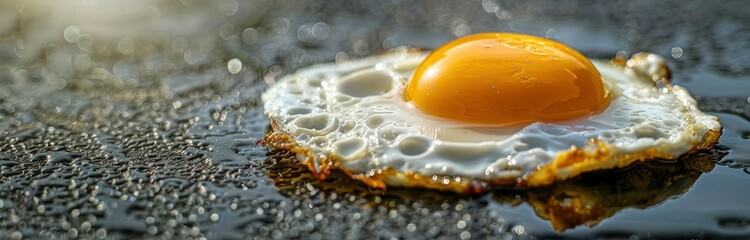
[[124, 119]]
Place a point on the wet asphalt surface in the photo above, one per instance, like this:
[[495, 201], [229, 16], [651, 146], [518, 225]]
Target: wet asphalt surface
[[126, 120]]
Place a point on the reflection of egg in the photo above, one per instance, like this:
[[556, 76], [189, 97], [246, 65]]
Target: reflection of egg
[[485, 110]]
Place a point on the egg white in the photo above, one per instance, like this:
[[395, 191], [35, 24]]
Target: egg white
[[354, 115]]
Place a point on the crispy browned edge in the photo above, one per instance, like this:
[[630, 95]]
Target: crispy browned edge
[[578, 160]]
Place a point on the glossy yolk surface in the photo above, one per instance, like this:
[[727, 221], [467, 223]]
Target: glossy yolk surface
[[506, 78]]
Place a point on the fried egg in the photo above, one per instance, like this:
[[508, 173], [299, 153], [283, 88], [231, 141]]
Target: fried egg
[[491, 109]]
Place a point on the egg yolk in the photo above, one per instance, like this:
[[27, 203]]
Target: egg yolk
[[506, 78]]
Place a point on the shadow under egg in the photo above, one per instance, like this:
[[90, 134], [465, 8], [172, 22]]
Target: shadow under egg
[[290, 176], [592, 197], [585, 200]]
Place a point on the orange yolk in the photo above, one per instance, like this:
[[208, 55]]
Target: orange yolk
[[506, 78]]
